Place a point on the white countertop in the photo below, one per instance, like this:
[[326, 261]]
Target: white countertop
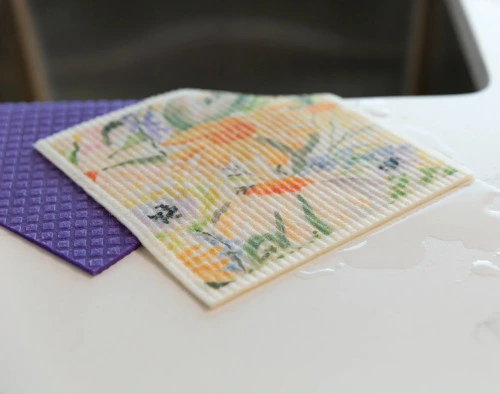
[[134, 330]]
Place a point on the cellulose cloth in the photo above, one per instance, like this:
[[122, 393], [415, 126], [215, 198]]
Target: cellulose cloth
[[230, 190]]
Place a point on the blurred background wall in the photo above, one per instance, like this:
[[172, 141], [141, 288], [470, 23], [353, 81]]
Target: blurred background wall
[[89, 49]]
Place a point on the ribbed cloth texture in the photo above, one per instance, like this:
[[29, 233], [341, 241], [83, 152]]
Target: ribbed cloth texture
[[229, 190]]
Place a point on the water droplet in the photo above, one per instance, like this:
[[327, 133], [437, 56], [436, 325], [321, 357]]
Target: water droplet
[[304, 274], [356, 246], [484, 268], [316, 271]]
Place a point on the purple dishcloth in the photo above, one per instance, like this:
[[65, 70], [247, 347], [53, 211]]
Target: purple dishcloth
[[38, 202]]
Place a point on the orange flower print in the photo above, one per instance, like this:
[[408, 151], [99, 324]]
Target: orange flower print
[[216, 143], [92, 175], [279, 186]]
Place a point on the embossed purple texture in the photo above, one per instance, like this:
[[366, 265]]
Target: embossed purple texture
[[38, 202]]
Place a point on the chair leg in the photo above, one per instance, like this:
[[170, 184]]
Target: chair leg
[[418, 43], [24, 52]]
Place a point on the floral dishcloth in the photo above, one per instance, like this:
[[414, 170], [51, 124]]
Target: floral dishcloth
[[230, 190]]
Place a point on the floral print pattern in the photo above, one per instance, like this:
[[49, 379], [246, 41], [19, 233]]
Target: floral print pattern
[[237, 187]]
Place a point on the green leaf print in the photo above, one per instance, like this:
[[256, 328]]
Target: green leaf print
[[181, 117], [280, 231], [238, 104], [277, 145], [247, 103], [108, 128], [144, 160], [307, 99], [73, 157], [176, 119], [449, 171], [312, 218], [428, 174], [131, 141], [298, 156], [251, 247], [198, 227], [399, 185], [253, 244]]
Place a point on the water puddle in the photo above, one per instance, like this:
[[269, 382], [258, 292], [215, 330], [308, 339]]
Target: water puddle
[[463, 225], [315, 272], [469, 217], [484, 268]]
